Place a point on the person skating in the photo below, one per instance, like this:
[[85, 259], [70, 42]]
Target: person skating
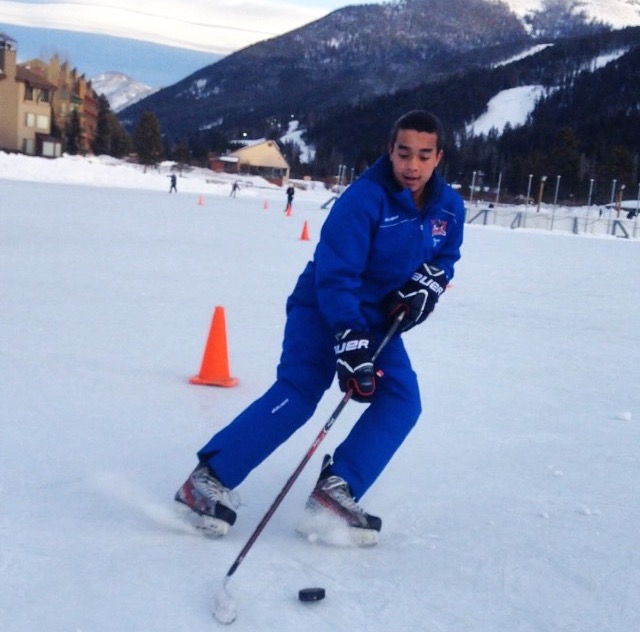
[[388, 245], [290, 193]]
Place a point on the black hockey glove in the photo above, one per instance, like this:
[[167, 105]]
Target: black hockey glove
[[417, 298], [354, 364]]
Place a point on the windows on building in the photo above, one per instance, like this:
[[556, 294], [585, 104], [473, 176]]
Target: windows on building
[[29, 146]]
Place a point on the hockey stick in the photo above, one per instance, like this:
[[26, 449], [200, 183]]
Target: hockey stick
[[224, 606]]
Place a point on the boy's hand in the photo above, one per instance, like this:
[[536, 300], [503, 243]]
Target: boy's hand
[[354, 364], [417, 298]]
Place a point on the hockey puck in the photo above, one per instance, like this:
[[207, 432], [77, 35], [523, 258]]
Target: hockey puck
[[311, 594]]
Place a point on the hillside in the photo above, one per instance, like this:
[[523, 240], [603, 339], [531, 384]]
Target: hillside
[[601, 104], [347, 57]]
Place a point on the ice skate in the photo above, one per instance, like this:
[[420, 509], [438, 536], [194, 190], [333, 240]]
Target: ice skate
[[208, 502], [334, 517]]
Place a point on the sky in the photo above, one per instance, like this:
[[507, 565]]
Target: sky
[[211, 26], [511, 506], [158, 42]]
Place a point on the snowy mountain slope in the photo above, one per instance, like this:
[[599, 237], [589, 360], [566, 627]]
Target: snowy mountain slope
[[616, 13], [512, 506], [513, 105], [120, 89]]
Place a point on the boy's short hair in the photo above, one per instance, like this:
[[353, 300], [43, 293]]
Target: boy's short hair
[[420, 121]]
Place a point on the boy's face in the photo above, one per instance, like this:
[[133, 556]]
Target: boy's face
[[414, 156]]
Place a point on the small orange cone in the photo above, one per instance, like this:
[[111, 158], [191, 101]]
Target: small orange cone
[[266, 205], [200, 201], [288, 211], [305, 232], [214, 370]]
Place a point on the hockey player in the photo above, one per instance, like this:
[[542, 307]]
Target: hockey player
[[389, 244]]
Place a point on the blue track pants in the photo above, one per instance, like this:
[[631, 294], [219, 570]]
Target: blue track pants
[[305, 372]]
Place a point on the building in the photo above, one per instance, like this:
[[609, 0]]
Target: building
[[36, 100], [73, 93], [25, 106], [263, 158]]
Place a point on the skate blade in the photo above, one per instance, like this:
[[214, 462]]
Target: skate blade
[[328, 529], [207, 525]]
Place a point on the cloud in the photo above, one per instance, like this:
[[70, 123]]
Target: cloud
[[216, 26]]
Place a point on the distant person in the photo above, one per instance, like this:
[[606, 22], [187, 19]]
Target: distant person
[[388, 246], [290, 193], [174, 183], [234, 189]]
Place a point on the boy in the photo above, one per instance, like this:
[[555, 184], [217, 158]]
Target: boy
[[388, 245]]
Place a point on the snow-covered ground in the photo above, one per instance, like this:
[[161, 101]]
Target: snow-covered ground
[[512, 506]]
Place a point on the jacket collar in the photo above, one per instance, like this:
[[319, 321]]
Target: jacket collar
[[381, 172]]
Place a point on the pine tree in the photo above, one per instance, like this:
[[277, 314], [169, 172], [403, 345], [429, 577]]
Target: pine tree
[[111, 138], [147, 139], [102, 140], [73, 134]]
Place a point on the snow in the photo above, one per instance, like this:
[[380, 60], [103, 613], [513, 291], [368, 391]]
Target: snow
[[523, 7], [120, 89], [514, 105], [508, 106], [526, 53], [294, 134], [512, 505], [617, 13]]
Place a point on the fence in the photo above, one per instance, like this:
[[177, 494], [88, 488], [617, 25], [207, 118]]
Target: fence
[[580, 220]]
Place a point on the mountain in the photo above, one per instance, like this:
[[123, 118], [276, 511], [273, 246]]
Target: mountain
[[357, 53], [350, 55], [120, 89], [582, 121]]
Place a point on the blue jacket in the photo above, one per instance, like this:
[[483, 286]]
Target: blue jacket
[[371, 243]]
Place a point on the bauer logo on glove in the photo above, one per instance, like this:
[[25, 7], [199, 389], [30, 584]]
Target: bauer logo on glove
[[354, 364], [417, 298]]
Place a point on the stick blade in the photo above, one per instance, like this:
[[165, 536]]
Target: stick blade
[[224, 606]]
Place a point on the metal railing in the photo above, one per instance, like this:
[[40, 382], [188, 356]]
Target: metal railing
[[579, 220]]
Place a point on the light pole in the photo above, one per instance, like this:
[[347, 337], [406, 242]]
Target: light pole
[[635, 223], [590, 191], [619, 206], [555, 197], [473, 186], [543, 179], [498, 189]]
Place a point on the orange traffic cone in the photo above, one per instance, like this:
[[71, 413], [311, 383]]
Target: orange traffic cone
[[266, 205], [200, 201], [305, 232], [214, 370], [288, 211]]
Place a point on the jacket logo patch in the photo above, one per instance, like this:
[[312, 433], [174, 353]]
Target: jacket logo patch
[[438, 228]]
